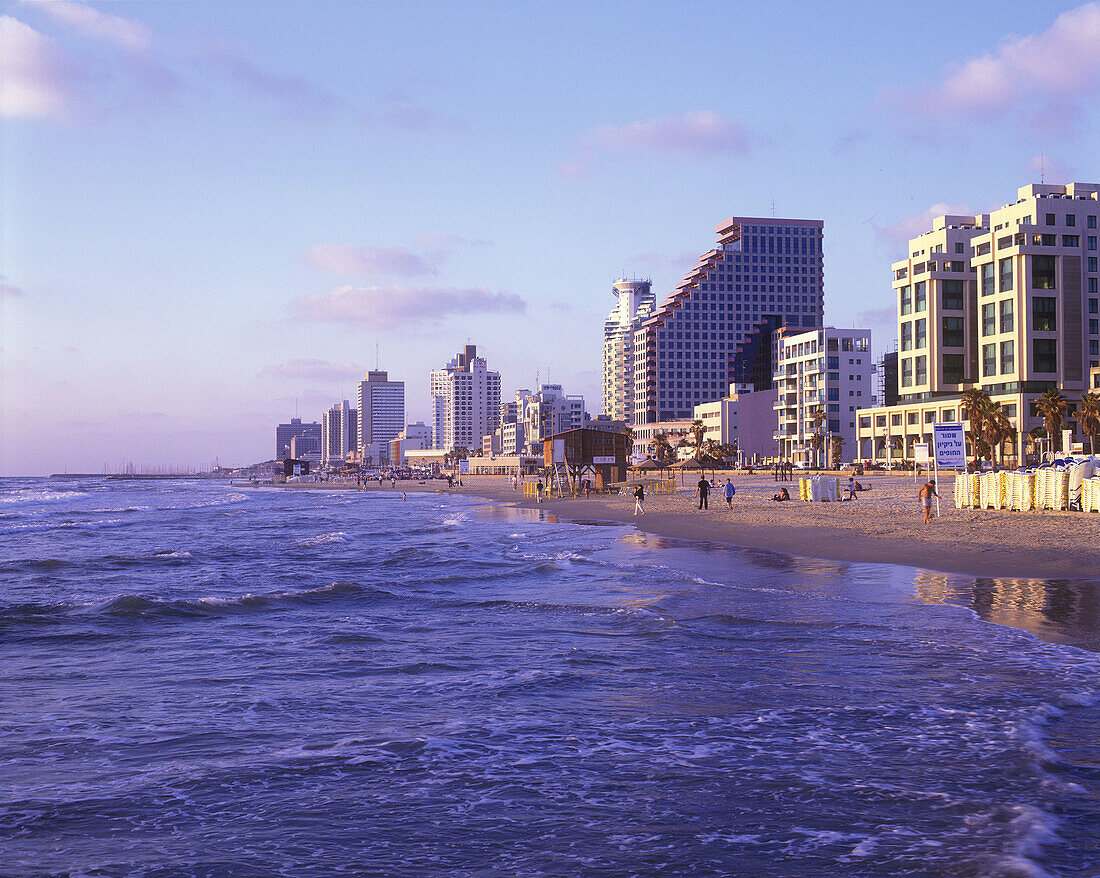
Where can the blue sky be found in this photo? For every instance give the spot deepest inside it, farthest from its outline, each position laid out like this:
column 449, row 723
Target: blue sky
column 214, row 212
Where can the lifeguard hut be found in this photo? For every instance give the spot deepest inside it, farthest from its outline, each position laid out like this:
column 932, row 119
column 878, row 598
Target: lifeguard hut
column 576, row 455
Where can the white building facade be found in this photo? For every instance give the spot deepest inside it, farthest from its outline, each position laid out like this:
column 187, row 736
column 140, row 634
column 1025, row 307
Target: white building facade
column 826, row 371
column 466, row 401
column 339, row 433
column 635, row 302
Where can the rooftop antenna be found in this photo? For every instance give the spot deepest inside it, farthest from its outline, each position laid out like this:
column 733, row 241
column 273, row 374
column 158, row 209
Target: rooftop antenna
column 773, row 208
column 376, row 356
column 1042, row 167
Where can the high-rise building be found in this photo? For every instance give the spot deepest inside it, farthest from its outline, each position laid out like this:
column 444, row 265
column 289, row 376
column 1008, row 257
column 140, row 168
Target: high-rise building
column 339, row 432
column 634, row 303
column 1006, row 302
column 466, row 397
column 381, row 414
column 716, row 327
column 826, row 371
column 284, row 433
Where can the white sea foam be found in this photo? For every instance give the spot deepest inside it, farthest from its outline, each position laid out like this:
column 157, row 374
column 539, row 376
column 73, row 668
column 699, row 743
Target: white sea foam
column 44, row 495
column 319, row 540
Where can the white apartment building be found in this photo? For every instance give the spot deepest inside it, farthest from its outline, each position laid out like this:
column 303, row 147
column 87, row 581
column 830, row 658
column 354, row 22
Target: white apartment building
column 635, row 302
column 828, row 371
column 339, row 433
column 415, row 437
column 381, row 414
column 466, row 401
column 550, row 411
column 720, row 417
column 1029, row 320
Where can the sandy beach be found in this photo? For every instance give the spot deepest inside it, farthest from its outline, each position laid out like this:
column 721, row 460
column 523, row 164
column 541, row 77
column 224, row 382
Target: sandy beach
column 884, row 525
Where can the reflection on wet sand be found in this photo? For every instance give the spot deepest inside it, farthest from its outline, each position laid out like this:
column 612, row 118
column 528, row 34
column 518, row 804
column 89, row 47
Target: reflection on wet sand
column 1058, row 610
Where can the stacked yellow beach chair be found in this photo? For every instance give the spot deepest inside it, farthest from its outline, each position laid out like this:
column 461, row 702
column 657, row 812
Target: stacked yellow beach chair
column 966, row 490
column 1020, row 491
column 991, row 490
column 1090, row 495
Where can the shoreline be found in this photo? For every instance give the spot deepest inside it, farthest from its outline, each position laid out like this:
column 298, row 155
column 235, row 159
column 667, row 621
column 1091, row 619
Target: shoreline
column 882, row 527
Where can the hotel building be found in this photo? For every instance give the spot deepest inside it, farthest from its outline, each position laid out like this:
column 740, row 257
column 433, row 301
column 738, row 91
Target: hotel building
column 1006, row 302
column 716, row 327
column 829, row 371
column 635, row 302
column 339, row 433
column 466, row 398
column 548, row 412
column 381, row 415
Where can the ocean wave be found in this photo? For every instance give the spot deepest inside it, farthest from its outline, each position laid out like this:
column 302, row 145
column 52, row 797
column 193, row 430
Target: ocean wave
column 39, row 495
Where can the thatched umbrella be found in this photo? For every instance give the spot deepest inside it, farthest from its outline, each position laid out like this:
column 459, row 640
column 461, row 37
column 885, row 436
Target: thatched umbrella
column 649, row 464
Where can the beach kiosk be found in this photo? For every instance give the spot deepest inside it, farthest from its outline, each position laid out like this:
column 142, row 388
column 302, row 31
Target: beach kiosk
column 576, row 455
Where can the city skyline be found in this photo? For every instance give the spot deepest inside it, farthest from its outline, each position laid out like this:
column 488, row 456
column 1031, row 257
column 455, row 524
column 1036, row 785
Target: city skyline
column 212, row 211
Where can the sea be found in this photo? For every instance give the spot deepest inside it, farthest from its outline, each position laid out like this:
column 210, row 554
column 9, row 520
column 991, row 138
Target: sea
column 198, row 679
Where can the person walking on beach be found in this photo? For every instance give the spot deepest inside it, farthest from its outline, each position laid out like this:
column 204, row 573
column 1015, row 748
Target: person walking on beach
column 515, row 483
column 730, row 491
column 539, row 488
column 925, row 495
column 639, row 497
column 587, row 488
column 703, row 491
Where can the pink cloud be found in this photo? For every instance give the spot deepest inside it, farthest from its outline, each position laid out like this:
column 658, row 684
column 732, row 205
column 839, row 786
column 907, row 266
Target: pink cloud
column 33, row 81
column 351, row 260
column 699, row 134
column 1061, row 63
column 8, row 291
column 899, row 233
column 396, row 306
column 313, row 370
column 297, row 96
column 702, row 133
column 91, row 22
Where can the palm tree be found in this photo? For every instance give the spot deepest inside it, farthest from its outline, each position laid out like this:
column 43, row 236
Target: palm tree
column 697, row 431
column 1052, row 405
column 837, row 449
column 662, row 449
column 817, row 440
column 975, row 403
column 1088, row 416
column 998, row 430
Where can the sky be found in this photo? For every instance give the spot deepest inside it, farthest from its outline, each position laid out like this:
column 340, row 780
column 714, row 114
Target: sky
column 216, row 215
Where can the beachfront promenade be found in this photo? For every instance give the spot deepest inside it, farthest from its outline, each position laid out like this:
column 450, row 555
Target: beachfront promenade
column 883, row 525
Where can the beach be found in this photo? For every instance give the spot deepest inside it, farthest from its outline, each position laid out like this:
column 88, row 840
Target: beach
column 884, row 525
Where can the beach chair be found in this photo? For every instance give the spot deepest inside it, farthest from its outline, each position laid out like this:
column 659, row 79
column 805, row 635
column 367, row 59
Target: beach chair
column 1081, row 470
column 1058, row 489
column 1090, row 495
column 1023, row 496
column 804, row 489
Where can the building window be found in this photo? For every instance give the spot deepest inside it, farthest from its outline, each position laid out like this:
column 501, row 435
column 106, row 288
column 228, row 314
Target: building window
column 907, row 372
column 1071, row 240
column 907, row 336
column 1094, row 306
column 1006, row 274
column 1071, row 219
column 953, row 332
column 920, row 298
column 922, row 333
column 952, row 295
column 922, row 370
column 1008, row 357
column 989, row 360
column 1044, row 354
column 1007, row 317
column 1042, row 272
column 954, row 368
column 1044, row 313
column 988, row 285
column 906, row 300
column 989, row 319
column 959, row 248
column 1092, row 242
column 1050, row 219
column 1094, row 326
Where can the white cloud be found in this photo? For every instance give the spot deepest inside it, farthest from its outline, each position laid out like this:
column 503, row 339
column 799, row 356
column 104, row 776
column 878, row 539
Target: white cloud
column 93, row 23
column 351, row 260
column 32, row 82
column 908, row 227
column 1061, row 63
column 314, row 370
column 390, row 307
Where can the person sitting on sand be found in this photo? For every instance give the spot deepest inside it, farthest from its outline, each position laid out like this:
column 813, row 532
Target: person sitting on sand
column 781, row 496
column 925, row 495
